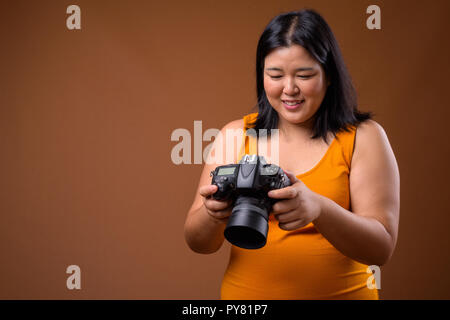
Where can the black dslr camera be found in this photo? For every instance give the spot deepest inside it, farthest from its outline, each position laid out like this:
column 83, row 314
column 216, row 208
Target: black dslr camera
column 248, row 183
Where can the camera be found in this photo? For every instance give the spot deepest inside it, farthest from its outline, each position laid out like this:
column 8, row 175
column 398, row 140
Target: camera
column 247, row 184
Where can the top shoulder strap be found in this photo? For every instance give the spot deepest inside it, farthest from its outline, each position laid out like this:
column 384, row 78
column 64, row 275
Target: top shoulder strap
column 250, row 142
column 347, row 142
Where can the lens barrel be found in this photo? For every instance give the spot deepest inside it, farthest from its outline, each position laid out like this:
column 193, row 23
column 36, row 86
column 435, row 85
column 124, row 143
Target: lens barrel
column 247, row 227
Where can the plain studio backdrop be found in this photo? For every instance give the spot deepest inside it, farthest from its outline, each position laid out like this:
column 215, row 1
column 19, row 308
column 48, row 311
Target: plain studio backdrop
column 86, row 118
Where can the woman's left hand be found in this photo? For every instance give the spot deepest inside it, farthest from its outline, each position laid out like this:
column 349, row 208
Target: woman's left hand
column 298, row 205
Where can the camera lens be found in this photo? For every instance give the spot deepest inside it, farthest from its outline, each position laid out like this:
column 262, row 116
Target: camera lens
column 247, row 226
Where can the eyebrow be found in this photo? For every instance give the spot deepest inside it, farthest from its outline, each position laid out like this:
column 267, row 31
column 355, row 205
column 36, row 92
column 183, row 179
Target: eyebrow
column 298, row 69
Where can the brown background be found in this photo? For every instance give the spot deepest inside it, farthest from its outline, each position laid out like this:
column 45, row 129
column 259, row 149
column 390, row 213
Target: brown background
column 86, row 118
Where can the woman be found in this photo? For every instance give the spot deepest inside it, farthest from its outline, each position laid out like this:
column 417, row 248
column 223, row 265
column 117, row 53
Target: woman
column 341, row 212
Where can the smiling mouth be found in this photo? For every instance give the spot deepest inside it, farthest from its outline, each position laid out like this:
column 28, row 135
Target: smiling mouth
column 293, row 105
column 292, row 102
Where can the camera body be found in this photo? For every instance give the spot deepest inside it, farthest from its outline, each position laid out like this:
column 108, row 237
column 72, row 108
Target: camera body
column 247, row 184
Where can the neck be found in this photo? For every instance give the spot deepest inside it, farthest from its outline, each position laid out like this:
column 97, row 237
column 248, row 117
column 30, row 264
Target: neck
column 292, row 131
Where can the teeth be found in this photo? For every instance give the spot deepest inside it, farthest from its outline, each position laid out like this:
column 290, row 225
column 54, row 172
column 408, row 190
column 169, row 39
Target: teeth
column 292, row 103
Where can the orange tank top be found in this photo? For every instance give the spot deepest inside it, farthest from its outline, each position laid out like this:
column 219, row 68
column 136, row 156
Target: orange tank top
column 301, row 264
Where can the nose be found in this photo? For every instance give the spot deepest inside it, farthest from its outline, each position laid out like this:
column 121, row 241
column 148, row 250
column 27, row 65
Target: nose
column 290, row 88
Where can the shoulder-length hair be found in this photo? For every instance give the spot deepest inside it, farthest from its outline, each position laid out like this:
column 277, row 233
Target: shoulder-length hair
column 308, row 29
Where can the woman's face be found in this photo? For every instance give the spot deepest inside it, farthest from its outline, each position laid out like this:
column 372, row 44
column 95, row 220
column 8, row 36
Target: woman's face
column 292, row 74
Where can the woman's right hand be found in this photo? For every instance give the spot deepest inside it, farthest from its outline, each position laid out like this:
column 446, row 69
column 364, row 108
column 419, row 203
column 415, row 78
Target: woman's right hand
column 218, row 209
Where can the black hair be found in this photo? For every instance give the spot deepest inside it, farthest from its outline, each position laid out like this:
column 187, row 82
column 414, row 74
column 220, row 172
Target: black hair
column 308, row 29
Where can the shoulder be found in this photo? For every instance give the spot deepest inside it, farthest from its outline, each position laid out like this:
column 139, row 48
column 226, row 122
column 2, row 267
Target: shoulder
column 246, row 122
column 230, row 131
column 359, row 136
column 227, row 143
column 371, row 144
column 233, row 128
column 235, row 124
column 370, row 135
column 370, row 129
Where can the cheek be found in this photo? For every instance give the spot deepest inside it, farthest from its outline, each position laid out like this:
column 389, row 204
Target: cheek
column 272, row 88
column 312, row 87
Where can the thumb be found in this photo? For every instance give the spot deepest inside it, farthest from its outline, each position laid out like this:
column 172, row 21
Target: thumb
column 207, row 190
column 291, row 177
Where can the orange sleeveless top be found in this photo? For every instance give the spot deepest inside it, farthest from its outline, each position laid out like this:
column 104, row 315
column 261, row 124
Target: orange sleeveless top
column 301, row 264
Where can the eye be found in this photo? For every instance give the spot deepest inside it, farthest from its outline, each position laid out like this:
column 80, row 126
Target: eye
column 303, row 77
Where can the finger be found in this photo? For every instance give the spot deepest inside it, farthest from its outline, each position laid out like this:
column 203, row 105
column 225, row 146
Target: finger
column 284, row 193
column 287, row 217
column 291, row 177
column 219, row 214
column 292, row 225
column 207, row 190
column 215, row 205
column 283, row 206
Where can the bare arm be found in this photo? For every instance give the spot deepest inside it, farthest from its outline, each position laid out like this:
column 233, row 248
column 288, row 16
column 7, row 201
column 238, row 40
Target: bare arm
column 203, row 232
column 207, row 218
column 368, row 234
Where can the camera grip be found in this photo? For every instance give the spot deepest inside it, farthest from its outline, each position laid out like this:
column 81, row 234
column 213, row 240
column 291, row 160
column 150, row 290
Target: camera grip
column 221, row 193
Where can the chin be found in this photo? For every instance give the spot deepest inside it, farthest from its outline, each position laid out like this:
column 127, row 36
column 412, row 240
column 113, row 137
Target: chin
column 293, row 117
